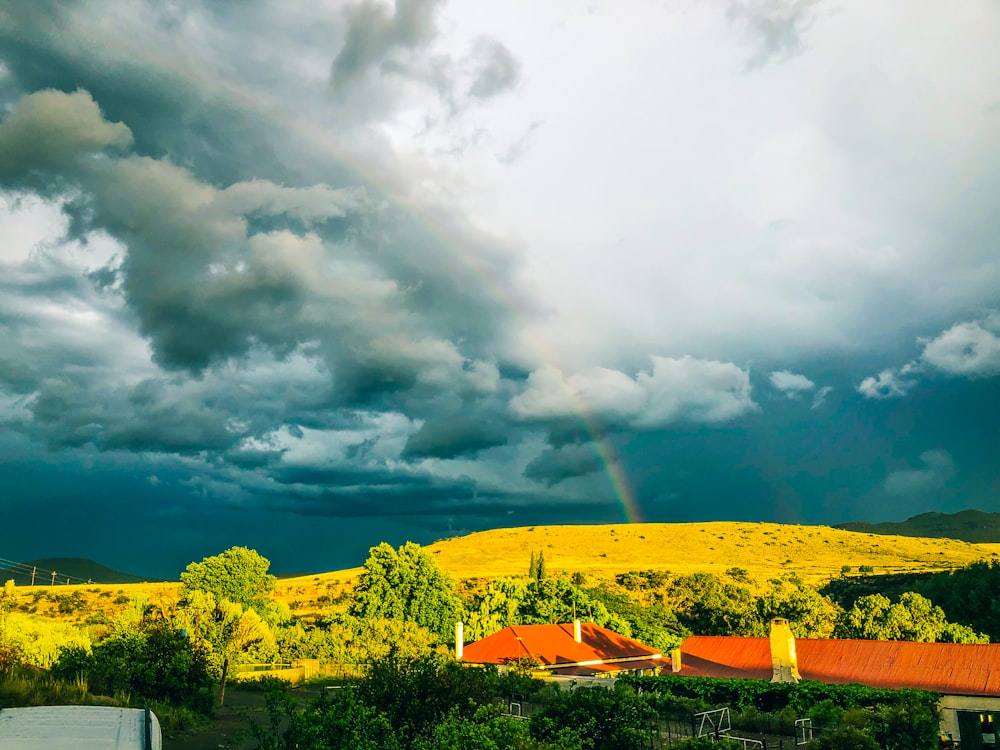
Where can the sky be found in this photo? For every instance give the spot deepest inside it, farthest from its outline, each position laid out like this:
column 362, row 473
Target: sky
column 307, row 276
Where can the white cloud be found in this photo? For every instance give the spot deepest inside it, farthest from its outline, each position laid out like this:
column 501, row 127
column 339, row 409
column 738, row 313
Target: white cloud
column 887, row 384
column 820, row 398
column 938, row 469
column 676, row 389
column 969, row 349
column 791, row 383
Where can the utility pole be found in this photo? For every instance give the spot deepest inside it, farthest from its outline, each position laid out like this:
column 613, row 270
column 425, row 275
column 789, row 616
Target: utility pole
column 53, row 578
column 33, row 571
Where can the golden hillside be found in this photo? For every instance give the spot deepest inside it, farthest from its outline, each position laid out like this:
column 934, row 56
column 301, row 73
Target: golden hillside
column 765, row 550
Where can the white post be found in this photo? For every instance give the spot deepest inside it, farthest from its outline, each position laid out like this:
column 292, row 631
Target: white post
column 577, row 634
column 459, row 639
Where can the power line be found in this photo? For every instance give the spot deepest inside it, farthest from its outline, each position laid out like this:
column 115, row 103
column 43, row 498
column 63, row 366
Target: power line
column 28, row 569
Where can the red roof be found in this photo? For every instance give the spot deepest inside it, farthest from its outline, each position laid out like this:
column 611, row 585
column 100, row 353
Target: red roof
column 949, row 668
column 554, row 644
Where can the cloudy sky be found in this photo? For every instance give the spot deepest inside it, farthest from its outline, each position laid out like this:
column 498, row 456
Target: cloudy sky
column 307, row 276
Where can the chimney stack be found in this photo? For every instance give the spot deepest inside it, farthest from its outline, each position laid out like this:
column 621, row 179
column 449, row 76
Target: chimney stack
column 459, row 640
column 675, row 660
column 577, row 634
column 784, row 662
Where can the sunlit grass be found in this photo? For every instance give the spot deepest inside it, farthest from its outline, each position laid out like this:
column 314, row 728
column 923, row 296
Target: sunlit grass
column 764, row 550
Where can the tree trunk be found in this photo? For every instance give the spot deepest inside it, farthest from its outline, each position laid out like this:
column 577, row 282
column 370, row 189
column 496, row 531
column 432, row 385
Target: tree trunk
column 222, row 680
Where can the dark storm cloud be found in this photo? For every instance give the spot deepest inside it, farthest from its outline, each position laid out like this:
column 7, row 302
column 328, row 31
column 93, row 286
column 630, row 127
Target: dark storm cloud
column 555, row 465
column 456, row 435
column 278, row 289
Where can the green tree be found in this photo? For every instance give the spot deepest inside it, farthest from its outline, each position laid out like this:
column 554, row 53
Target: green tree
column 495, row 608
column 541, row 567
column 970, row 596
column 912, row 618
column 150, row 662
column 237, row 575
column 406, row 584
column 609, row 719
column 228, row 629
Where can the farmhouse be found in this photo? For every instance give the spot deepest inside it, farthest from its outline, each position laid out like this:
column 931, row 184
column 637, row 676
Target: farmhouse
column 966, row 675
column 568, row 649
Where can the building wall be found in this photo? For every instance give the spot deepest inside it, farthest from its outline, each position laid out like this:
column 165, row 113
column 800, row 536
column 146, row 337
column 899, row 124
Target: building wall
column 951, row 704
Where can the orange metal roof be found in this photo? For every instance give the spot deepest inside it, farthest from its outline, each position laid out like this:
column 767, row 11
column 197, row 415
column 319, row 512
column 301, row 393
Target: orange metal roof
column 554, row 644
column 950, row 668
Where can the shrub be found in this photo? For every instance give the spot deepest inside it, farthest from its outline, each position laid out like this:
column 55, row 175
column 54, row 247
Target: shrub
column 844, row 738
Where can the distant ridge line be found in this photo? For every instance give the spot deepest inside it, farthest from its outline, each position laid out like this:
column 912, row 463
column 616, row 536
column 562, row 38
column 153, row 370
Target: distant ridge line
column 975, row 526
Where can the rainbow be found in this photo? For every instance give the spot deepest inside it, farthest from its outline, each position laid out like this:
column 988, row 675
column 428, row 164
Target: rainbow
column 621, row 489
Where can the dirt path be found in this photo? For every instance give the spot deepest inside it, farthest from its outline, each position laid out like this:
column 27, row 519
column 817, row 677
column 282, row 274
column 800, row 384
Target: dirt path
column 229, row 729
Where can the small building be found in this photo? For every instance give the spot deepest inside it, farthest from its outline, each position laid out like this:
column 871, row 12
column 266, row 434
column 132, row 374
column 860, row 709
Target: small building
column 966, row 675
column 577, row 649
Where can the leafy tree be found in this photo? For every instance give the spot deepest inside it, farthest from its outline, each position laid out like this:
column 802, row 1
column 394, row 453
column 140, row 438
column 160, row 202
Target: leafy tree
column 541, row 573
column 153, row 662
column 707, row 606
column 228, row 629
column 610, row 719
column 495, row 608
column 237, row 575
column 533, row 567
column 970, row 596
column 912, row 618
column 368, row 640
column 811, row 614
column 406, row 584
column 342, row 721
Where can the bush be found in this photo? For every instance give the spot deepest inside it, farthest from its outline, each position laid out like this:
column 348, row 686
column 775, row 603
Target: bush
column 152, row 664
column 843, row 738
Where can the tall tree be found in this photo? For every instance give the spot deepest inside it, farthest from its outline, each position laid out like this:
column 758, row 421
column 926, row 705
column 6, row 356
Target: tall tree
column 406, row 584
column 228, row 628
column 237, row 575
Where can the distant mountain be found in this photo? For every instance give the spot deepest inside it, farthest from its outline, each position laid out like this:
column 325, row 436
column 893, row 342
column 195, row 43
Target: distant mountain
column 78, row 570
column 968, row 525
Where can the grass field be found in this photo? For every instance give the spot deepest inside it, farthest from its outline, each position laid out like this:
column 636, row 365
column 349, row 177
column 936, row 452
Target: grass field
column 764, row 550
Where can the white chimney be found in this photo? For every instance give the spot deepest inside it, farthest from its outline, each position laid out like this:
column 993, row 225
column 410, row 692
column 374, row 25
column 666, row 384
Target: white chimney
column 577, row 634
column 784, row 662
column 459, row 639
column 675, row 660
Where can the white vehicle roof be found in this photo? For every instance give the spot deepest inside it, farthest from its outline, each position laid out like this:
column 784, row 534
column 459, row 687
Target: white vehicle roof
column 79, row 728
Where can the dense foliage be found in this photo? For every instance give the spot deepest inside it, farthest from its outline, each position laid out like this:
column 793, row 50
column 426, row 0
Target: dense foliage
column 895, row 719
column 970, row 596
column 237, row 575
column 151, row 663
column 406, row 584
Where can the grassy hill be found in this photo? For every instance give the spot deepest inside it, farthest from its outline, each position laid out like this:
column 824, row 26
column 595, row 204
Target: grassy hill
column 764, row 550
column 77, row 569
column 968, row 525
